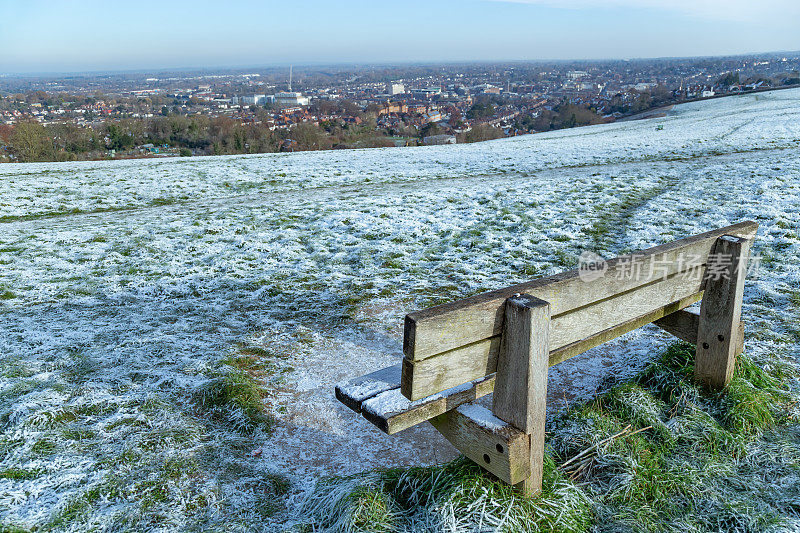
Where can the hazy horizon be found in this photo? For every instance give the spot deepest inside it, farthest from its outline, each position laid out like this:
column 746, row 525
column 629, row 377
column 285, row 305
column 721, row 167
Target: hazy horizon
column 364, row 64
column 46, row 37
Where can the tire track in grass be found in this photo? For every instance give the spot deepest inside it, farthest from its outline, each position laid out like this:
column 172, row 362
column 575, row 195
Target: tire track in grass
column 611, row 222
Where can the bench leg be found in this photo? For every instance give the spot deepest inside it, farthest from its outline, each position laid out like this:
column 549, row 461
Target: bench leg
column 718, row 332
column 520, row 390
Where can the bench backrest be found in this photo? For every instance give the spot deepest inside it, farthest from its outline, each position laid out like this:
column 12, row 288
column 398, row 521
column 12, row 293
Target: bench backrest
column 451, row 344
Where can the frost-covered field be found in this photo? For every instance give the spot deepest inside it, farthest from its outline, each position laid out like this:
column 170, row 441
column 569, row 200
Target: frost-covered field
column 125, row 285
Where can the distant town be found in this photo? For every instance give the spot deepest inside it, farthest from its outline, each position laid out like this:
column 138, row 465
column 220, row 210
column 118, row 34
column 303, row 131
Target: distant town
column 132, row 114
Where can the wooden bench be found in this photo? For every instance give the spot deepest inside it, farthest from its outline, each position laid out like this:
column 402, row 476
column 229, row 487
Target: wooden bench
column 503, row 342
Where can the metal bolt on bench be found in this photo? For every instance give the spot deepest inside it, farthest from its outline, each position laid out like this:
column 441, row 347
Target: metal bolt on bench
column 505, row 340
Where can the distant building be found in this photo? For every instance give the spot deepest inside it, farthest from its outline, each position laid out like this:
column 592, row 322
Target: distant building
column 395, row 88
column 256, row 99
column 291, row 99
column 394, row 108
column 707, row 93
column 433, row 115
column 576, row 74
column 439, row 139
column 427, row 92
column 485, row 88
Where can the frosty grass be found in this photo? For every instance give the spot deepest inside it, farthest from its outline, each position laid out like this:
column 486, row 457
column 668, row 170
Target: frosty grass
column 126, row 285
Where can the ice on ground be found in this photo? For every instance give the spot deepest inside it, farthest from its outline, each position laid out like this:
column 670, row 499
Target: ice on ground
column 126, row 284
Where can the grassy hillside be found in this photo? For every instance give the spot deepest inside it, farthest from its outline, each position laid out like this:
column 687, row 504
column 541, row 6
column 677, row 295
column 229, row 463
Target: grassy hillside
column 171, row 331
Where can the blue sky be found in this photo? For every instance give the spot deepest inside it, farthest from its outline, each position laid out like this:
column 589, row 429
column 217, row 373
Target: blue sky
column 80, row 35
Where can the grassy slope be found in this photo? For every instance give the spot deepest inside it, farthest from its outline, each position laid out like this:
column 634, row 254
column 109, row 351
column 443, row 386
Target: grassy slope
column 231, row 397
column 725, row 461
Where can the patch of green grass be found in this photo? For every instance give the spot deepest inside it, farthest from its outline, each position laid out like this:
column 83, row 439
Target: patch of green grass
column 10, row 528
column 162, row 201
column 63, row 212
column 78, row 506
column 268, row 491
column 127, row 457
column 437, row 498
column 78, row 433
column 235, row 394
column 44, row 447
column 794, row 299
column 14, row 368
column 81, row 366
column 21, row 473
column 126, row 422
column 6, row 293
column 371, row 510
column 254, row 351
column 697, row 442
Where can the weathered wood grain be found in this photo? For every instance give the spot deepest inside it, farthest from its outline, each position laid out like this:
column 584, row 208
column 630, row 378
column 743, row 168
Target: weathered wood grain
column 478, row 360
column 520, row 394
column 720, row 313
column 432, row 331
column 392, row 412
column 578, row 347
column 495, row 445
column 684, row 324
column 604, row 314
column 740, row 338
column 570, row 334
column 353, row 392
column 521, row 380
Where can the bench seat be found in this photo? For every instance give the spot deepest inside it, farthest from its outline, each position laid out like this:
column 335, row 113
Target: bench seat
column 378, row 398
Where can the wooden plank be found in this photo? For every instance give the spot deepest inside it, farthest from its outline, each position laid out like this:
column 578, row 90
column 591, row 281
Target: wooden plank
column 604, row 314
column 354, row 392
column 570, row 334
column 720, row 312
column 432, row 331
column 392, row 412
column 495, row 445
column 562, row 354
column 478, row 360
column 523, row 362
column 684, row 324
column 520, row 394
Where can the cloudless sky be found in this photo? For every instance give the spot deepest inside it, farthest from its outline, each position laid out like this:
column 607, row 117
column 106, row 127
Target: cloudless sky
column 81, row 35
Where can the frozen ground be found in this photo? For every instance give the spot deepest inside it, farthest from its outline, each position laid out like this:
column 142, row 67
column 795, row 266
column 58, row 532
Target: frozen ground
column 125, row 284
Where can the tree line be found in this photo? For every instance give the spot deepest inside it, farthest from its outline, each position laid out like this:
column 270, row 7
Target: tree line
column 30, row 141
